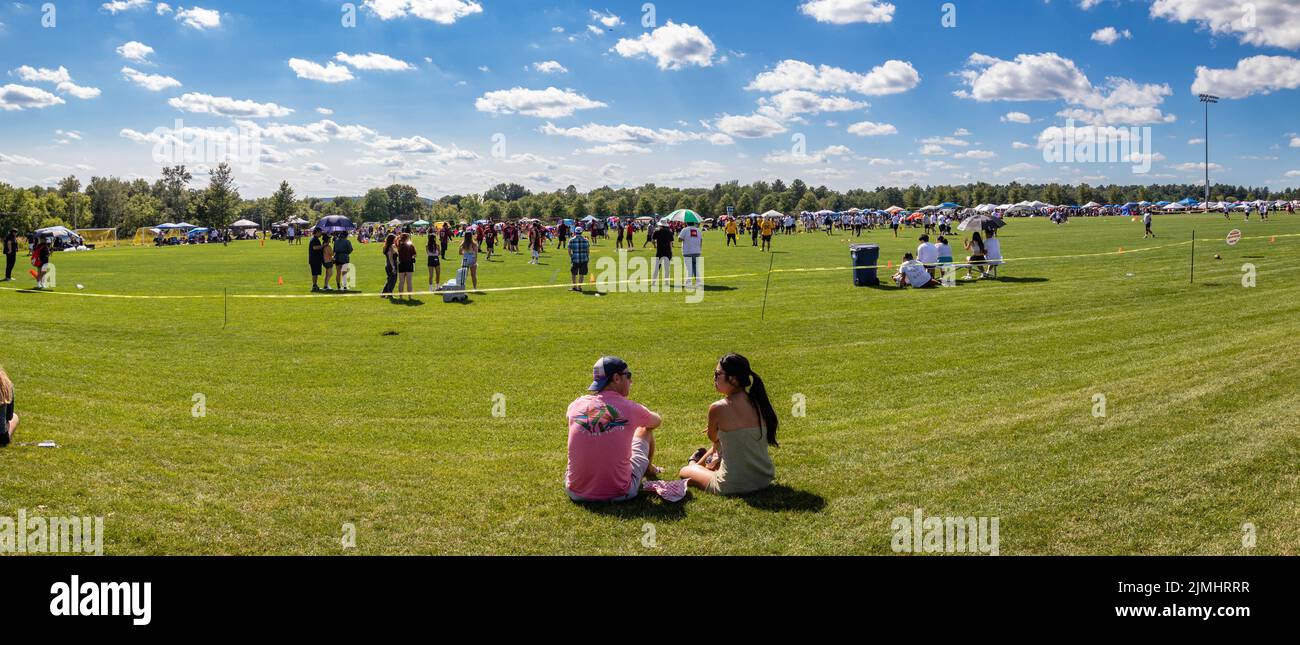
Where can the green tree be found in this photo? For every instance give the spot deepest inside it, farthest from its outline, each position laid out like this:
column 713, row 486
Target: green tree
column 173, row 190
column 644, row 207
column 403, row 202
column 745, row 205
column 704, row 206
column 221, row 199
column 108, row 197
column 282, row 202
column 808, row 203
column 579, row 209
column 375, row 208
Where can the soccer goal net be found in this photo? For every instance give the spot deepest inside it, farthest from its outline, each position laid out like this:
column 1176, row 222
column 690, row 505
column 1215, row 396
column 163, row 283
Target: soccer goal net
column 99, row 237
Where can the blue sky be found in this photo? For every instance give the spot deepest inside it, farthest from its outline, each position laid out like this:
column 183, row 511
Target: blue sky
column 453, row 96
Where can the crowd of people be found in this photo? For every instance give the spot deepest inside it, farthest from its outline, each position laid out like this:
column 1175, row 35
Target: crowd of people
column 330, row 253
column 611, row 447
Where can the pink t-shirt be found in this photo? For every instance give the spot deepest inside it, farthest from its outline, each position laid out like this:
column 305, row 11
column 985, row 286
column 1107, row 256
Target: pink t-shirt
column 601, row 428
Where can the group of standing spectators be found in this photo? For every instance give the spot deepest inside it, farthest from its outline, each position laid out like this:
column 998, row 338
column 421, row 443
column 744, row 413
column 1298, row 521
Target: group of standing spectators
column 331, row 255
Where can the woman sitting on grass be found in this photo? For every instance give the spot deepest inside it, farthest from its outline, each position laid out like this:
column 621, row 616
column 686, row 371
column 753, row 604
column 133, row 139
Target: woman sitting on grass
column 741, row 426
column 8, row 420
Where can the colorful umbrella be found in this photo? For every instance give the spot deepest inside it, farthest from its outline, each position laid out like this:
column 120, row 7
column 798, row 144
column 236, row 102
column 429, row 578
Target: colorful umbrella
column 685, row 216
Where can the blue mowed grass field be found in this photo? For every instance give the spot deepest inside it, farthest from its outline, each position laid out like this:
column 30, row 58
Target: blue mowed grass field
column 973, row 401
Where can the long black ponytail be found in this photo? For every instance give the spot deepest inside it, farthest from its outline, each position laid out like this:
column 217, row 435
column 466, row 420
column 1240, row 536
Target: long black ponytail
column 737, row 367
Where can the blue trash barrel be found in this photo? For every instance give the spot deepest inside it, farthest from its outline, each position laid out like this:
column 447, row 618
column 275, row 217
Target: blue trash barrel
column 865, row 258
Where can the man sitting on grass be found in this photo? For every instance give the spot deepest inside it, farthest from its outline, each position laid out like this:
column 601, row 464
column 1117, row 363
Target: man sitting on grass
column 914, row 273
column 611, row 439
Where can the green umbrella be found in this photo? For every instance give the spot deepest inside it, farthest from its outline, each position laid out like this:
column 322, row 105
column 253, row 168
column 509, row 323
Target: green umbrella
column 685, row 216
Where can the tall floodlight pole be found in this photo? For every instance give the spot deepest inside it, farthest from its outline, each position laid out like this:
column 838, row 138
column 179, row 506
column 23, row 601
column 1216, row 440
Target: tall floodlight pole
column 1207, row 99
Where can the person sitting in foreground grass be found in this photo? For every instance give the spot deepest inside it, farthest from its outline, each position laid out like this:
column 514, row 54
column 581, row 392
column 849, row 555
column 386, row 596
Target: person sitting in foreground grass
column 611, row 438
column 915, row 274
column 8, row 420
column 741, row 426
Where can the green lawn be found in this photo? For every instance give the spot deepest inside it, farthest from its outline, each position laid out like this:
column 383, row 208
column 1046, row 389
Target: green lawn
column 973, row 401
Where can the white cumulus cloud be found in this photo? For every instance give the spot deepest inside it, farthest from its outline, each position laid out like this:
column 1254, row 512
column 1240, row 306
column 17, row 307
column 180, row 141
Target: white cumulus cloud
column 1108, row 35
column 135, row 51
column 226, row 106
column 151, row 82
column 199, row 18
column 374, row 62
column 1263, row 23
column 550, row 103
column 21, row 97
column 673, row 46
column 1254, row 75
column 871, row 129
column 891, row 77
column 328, row 73
column 844, row 12
column 443, row 12
column 550, row 67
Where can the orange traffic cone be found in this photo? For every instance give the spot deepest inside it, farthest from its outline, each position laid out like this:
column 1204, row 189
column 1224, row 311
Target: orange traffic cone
column 35, row 275
column 1121, row 249
column 1272, row 239
column 281, row 281
column 890, row 265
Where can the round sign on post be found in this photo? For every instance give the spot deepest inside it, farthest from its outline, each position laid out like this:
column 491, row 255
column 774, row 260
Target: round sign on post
column 1234, row 237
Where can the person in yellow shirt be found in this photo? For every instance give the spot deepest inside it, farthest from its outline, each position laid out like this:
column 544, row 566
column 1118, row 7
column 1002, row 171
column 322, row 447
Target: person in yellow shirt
column 732, row 229
column 766, row 227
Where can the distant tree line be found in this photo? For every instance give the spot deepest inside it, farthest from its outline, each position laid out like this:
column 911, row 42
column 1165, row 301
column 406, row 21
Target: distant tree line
column 111, row 202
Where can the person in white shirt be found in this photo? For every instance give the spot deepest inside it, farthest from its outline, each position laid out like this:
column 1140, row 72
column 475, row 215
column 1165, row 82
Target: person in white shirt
column 927, row 254
column 914, row 274
column 692, row 249
column 993, row 247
